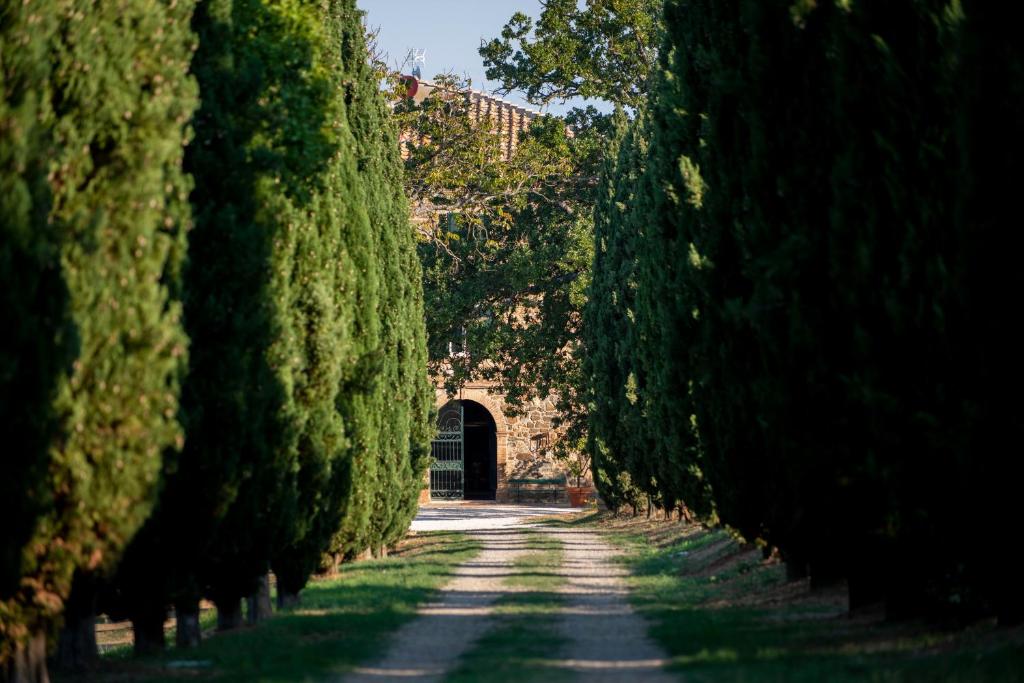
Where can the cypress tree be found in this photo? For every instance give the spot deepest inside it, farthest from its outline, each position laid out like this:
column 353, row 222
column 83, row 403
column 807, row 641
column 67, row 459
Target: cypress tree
column 325, row 474
column 670, row 268
column 236, row 302
column 601, row 322
column 617, row 433
column 401, row 390
column 357, row 402
column 271, row 290
column 884, row 325
column 838, row 283
column 989, row 129
column 109, row 130
column 36, row 352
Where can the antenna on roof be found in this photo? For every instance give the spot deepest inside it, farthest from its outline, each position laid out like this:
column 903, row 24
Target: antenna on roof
column 419, row 57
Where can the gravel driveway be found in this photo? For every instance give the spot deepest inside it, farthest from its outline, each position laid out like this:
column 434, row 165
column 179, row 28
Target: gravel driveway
column 607, row 640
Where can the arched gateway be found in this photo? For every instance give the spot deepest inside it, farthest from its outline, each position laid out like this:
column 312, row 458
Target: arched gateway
column 465, row 453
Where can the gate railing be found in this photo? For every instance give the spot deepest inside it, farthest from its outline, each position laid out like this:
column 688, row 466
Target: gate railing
column 447, row 480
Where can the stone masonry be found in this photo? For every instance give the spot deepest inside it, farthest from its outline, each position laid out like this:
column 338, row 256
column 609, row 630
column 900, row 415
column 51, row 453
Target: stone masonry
column 524, row 441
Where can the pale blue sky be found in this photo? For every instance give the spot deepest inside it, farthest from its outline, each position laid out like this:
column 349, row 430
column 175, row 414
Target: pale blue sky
column 449, row 30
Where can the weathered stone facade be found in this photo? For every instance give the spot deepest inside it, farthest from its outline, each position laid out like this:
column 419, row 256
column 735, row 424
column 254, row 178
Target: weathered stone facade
column 524, row 441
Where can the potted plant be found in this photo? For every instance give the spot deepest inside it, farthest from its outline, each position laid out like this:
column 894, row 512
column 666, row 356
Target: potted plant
column 577, row 462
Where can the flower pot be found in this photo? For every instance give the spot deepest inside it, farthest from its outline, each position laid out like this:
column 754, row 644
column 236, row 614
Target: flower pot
column 579, row 495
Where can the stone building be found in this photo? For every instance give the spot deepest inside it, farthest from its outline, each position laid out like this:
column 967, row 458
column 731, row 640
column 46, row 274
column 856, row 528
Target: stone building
column 481, row 444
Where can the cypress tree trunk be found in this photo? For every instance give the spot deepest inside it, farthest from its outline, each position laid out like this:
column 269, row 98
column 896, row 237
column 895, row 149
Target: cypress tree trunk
column 229, row 614
column 28, row 664
column 867, row 574
column 826, row 575
column 188, row 633
column 290, row 582
column 286, row 598
column 258, row 605
column 796, row 568
column 148, row 627
column 76, row 646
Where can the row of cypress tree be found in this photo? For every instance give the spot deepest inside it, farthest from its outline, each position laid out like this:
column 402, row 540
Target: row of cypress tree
column 215, row 362
column 799, row 322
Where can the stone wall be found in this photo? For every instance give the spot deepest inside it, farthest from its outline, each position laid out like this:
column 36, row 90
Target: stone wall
column 530, row 439
column 524, row 441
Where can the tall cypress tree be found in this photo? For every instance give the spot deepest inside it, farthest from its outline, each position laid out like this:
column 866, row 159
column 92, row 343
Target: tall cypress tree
column 271, row 291
column 670, row 267
column 987, row 342
column 357, row 401
column 839, row 408
column 326, row 449
column 402, row 386
column 111, row 111
column 615, row 423
column 39, row 349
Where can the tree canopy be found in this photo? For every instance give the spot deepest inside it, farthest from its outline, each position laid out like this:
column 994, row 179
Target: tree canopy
column 805, row 257
column 604, row 49
column 93, row 241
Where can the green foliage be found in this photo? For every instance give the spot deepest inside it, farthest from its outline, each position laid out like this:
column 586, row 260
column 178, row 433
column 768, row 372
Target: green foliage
column 337, row 292
column 609, row 317
column 261, row 68
column 505, row 246
column 604, row 50
column 306, row 395
column 810, row 291
column 403, row 394
column 390, row 390
column 94, row 216
column 35, row 353
column 271, row 296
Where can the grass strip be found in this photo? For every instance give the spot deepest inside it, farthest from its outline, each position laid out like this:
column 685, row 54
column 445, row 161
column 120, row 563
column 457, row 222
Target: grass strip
column 341, row 622
column 725, row 615
column 526, row 638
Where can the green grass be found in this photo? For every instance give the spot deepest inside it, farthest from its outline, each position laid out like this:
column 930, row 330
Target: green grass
column 341, row 622
column 700, row 611
column 521, row 647
column 125, row 651
column 538, row 569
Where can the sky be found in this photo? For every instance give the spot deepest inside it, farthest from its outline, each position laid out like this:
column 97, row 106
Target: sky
column 450, row 31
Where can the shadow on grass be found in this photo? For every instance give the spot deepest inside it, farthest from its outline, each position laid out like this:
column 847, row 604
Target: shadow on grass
column 526, row 639
column 522, row 648
column 341, row 621
column 725, row 615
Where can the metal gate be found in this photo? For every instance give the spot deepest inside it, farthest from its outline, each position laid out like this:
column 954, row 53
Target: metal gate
column 446, row 469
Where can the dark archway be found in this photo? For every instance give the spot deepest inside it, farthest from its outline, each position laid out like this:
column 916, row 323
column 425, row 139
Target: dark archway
column 480, row 436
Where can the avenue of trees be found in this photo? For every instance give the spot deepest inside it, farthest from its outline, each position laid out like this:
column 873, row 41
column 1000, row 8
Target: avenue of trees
column 215, row 358
column 800, row 318
column 797, row 316
column 772, row 290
